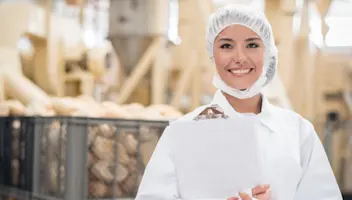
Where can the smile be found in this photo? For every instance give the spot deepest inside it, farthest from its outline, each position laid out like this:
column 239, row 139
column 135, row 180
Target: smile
column 239, row 72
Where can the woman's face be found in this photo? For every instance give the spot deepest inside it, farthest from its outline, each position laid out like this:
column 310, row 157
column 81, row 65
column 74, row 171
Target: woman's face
column 238, row 56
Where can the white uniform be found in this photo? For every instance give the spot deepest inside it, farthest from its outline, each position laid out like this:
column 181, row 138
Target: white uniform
column 295, row 162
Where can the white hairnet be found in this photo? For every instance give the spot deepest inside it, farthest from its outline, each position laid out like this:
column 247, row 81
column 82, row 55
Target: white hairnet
column 243, row 15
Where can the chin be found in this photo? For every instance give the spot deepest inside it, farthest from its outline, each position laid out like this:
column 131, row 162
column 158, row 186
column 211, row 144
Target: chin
column 240, row 86
column 239, row 83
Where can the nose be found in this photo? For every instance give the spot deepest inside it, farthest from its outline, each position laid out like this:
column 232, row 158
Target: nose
column 239, row 56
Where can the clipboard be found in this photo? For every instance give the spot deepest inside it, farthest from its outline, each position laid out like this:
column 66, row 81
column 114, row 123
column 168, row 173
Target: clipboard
column 216, row 157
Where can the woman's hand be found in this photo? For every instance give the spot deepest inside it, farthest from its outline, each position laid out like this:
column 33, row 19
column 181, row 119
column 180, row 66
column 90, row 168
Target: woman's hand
column 261, row 192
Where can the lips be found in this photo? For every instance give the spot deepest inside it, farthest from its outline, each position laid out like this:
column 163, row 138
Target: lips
column 240, row 72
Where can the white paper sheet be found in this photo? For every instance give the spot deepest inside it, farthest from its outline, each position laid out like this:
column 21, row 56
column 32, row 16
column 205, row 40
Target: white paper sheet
column 216, row 158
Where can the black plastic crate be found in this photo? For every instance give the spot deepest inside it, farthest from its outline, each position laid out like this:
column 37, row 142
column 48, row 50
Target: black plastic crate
column 2, row 152
column 77, row 158
column 16, row 152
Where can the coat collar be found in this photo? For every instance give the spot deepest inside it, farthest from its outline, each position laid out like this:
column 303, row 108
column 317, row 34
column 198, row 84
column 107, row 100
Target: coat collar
column 267, row 115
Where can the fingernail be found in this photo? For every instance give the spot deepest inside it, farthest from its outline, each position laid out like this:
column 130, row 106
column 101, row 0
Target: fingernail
column 242, row 194
column 266, row 186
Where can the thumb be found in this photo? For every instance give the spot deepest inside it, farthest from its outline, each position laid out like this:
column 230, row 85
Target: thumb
column 245, row 196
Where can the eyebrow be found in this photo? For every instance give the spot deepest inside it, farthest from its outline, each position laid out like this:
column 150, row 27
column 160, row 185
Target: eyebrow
column 247, row 40
column 252, row 39
column 226, row 39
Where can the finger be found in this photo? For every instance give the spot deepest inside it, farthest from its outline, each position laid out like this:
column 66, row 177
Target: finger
column 264, row 196
column 233, row 198
column 245, row 196
column 260, row 189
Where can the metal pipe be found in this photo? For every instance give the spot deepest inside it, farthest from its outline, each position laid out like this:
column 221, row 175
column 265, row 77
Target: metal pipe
column 76, row 185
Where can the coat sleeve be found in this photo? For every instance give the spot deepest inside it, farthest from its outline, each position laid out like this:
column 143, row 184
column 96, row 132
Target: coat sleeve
column 159, row 180
column 318, row 180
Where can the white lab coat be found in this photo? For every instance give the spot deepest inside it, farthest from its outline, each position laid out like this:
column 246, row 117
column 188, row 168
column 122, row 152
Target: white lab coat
column 294, row 160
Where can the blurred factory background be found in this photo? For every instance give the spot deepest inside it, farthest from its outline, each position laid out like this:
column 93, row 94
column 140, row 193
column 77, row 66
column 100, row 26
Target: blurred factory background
column 114, row 71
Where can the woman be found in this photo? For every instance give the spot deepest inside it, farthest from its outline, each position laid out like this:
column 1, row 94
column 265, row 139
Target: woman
column 241, row 44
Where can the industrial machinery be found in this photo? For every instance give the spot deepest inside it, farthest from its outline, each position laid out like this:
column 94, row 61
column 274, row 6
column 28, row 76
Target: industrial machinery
column 139, row 32
column 58, row 62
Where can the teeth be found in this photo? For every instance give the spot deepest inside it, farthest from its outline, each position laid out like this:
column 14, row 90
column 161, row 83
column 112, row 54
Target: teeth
column 240, row 71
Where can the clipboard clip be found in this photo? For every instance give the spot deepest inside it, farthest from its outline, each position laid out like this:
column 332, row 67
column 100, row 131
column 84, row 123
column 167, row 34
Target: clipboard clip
column 213, row 111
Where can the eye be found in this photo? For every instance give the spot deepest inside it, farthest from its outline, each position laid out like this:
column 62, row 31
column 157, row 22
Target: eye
column 226, row 46
column 252, row 45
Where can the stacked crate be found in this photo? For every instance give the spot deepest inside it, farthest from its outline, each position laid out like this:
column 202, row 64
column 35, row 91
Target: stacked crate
column 77, row 157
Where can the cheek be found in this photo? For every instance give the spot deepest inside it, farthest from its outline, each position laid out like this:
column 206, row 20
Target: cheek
column 221, row 60
column 220, row 63
column 258, row 61
column 259, row 66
